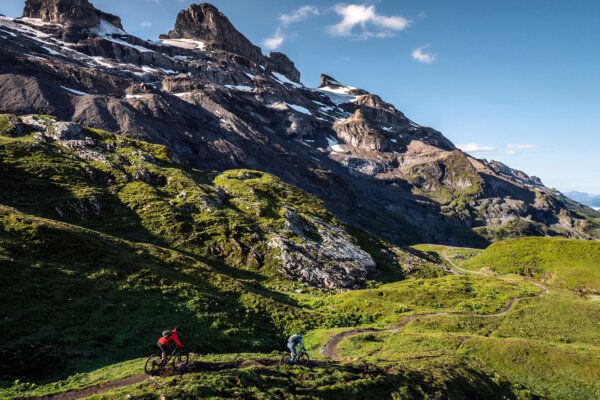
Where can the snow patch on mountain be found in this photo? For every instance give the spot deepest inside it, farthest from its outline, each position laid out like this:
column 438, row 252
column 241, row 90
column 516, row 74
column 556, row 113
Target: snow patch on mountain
column 77, row 92
column 299, row 108
column 106, row 28
column 335, row 146
column 338, row 95
column 283, row 79
column 243, row 88
column 184, row 43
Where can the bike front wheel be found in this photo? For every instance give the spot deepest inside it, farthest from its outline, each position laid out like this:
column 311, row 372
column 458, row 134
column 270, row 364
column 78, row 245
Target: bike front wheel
column 303, row 360
column 180, row 361
column 153, row 364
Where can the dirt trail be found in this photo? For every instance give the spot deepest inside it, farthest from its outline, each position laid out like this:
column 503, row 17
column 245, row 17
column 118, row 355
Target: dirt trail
column 131, row 380
column 330, row 349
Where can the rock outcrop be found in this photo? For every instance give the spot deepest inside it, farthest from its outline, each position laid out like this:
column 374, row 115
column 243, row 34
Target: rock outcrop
column 205, row 23
column 72, row 13
column 280, row 62
column 334, row 261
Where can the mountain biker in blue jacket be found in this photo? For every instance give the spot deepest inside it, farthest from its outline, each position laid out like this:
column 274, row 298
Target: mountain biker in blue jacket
column 293, row 341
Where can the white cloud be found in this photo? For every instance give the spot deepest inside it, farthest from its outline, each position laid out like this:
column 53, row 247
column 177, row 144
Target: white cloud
column 298, row 15
column 275, row 41
column 426, row 58
column 146, row 23
column 475, row 148
column 509, row 152
column 367, row 18
column 520, row 146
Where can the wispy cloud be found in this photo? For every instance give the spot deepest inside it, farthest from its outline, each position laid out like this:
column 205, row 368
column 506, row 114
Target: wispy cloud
column 475, row 148
column 420, row 56
column 300, row 14
column 373, row 25
column 146, row 23
column 478, row 148
column 275, row 41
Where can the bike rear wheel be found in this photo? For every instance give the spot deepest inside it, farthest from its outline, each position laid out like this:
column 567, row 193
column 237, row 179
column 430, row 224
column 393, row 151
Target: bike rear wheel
column 303, row 360
column 285, row 359
column 180, row 361
column 153, row 364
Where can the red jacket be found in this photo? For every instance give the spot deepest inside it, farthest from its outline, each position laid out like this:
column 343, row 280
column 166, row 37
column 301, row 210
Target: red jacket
column 173, row 336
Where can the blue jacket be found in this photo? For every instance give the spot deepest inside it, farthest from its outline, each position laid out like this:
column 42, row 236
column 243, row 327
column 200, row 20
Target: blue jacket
column 296, row 340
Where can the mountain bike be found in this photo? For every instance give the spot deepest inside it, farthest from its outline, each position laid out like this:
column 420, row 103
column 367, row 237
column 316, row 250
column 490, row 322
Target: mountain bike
column 154, row 363
column 302, row 358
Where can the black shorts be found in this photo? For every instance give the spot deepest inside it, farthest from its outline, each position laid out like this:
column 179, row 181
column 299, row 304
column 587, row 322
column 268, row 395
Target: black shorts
column 163, row 347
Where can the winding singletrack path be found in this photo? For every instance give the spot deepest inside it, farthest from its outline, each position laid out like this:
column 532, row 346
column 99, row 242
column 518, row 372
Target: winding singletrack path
column 330, row 349
column 132, row 380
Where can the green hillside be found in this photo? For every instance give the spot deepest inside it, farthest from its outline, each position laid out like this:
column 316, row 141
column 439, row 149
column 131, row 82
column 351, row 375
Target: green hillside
column 570, row 263
column 106, row 241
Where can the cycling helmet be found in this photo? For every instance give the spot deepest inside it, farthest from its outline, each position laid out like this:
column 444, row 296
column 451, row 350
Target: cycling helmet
column 300, row 335
column 177, row 328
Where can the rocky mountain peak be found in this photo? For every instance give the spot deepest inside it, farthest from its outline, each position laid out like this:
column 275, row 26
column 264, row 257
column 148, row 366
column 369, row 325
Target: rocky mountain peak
column 205, row 23
column 280, row 62
column 72, row 13
column 330, row 83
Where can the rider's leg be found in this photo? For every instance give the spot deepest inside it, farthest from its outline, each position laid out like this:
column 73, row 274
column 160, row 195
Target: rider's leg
column 292, row 347
column 163, row 351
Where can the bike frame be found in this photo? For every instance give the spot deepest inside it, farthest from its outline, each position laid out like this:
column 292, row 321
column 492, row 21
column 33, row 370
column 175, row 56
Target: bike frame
column 295, row 359
column 168, row 356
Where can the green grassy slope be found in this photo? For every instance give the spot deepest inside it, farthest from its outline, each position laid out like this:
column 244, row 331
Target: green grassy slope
column 143, row 193
column 574, row 264
column 103, row 247
column 77, row 299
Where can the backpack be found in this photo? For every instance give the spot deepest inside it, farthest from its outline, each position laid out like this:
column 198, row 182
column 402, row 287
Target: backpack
column 166, row 334
column 293, row 338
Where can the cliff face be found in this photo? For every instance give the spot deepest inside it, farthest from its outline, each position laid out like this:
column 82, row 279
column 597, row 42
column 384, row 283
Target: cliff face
column 75, row 13
column 205, row 23
column 210, row 95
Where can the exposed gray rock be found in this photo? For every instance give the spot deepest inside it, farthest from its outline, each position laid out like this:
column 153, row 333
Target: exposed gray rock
column 15, row 127
column 205, row 23
column 73, row 13
column 333, row 262
column 281, row 63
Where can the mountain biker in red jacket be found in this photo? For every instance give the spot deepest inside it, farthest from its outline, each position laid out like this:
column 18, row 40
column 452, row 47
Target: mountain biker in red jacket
column 163, row 341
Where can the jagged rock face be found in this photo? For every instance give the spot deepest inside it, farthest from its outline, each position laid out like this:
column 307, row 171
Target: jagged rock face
column 283, row 64
column 328, row 81
column 73, row 13
column 205, row 23
column 333, row 262
column 357, row 132
column 228, row 106
column 516, row 174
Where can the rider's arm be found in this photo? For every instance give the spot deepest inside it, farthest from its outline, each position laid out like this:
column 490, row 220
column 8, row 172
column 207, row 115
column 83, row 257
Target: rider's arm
column 301, row 344
column 176, row 340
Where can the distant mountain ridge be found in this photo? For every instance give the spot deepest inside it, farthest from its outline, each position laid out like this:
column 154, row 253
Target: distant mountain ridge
column 211, row 96
column 592, row 200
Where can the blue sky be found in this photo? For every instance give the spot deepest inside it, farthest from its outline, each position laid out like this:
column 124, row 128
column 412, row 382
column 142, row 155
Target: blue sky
column 519, row 78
